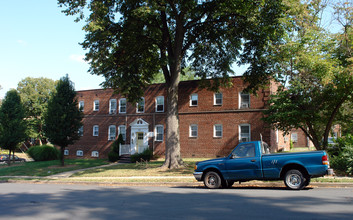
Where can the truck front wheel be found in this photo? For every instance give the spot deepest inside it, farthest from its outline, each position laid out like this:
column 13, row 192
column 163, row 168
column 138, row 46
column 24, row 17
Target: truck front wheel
column 294, row 179
column 212, row 180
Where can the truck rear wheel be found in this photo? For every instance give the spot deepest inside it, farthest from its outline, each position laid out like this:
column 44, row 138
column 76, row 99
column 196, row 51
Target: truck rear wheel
column 212, row 180
column 294, row 179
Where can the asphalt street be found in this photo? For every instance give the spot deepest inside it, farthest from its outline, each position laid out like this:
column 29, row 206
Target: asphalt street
column 60, row 201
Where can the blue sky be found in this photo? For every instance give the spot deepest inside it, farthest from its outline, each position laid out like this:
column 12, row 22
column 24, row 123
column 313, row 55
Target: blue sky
column 37, row 40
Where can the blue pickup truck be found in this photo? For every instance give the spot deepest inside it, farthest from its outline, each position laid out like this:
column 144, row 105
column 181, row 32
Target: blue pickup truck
column 253, row 161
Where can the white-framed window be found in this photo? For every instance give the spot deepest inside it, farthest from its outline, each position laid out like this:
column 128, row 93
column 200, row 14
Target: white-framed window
column 112, row 132
column 80, row 131
column 140, row 108
column 294, row 137
column 160, row 104
column 96, row 105
column 194, row 98
column 218, row 99
column 122, row 131
column 66, row 152
column 217, row 131
column 193, row 130
column 244, row 133
column 244, row 100
column 122, row 105
column 95, row 154
column 95, row 130
column 159, row 132
column 112, row 106
column 79, row 153
column 81, row 106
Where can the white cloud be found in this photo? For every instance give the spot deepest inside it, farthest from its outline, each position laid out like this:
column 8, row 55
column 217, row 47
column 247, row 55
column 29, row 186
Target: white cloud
column 77, row 58
column 22, row 42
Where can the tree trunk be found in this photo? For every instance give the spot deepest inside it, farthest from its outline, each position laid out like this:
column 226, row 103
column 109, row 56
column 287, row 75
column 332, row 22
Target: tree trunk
column 172, row 151
column 9, row 158
column 62, row 149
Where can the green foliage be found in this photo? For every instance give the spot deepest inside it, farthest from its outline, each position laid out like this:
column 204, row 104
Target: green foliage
column 113, row 155
column 63, row 118
column 317, row 83
column 35, row 94
column 146, row 155
column 154, row 36
column 341, row 155
column 43, row 153
column 12, row 124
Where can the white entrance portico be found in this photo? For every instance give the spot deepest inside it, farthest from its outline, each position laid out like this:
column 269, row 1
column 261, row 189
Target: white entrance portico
column 139, row 136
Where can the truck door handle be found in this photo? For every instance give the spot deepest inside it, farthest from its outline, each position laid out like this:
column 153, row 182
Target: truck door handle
column 253, row 160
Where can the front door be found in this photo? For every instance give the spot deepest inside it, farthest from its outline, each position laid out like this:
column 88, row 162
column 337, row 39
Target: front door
column 139, row 142
column 244, row 164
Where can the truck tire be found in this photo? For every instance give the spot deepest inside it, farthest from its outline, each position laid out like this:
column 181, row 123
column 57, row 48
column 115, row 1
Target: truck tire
column 226, row 184
column 212, row 180
column 294, row 179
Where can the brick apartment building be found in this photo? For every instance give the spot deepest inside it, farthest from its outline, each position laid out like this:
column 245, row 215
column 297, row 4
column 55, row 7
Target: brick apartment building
column 211, row 124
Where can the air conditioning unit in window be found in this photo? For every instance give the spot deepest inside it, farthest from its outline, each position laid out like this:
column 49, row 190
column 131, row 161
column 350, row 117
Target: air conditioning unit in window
column 112, row 111
column 244, row 105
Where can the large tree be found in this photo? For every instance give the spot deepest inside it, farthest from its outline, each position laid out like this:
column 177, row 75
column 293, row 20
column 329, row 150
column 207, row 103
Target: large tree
column 12, row 122
column 318, row 73
column 129, row 41
column 35, row 93
column 63, row 118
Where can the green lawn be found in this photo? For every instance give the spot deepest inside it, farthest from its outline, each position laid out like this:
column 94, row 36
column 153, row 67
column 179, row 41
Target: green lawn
column 47, row 168
column 152, row 168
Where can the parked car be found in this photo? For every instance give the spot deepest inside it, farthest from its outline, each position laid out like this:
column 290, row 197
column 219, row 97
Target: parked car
column 253, row 161
column 4, row 158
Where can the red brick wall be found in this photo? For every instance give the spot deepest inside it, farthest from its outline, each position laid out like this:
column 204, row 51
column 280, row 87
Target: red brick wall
column 205, row 115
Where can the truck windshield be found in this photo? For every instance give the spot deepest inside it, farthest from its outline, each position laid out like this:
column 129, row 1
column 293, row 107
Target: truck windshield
column 244, row 150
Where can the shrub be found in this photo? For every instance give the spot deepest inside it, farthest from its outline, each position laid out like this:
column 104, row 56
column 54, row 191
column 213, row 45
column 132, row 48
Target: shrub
column 113, row 155
column 341, row 155
column 43, row 153
column 146, row 155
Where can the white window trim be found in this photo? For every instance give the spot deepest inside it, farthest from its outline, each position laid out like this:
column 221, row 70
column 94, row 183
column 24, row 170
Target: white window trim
column 95, row 135
column 95, row 154
column 294, row 137
column 122, row 99
column 157, row 103
column 109, row 135
column 144, row 106
column 214, row 99
column 81, row 106
column 94, row 105
column 240, row 100
column 112, row 111
column 79, row 153
column 155, row 130
column 214, row 131
column 80, row 131
column 120, row 129
column 197, row 99
column 66, row 152
column 239, row 129
column 190, row 130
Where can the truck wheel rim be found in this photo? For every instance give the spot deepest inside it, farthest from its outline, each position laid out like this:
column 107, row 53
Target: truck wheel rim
column 293, row 180
column 212, row 180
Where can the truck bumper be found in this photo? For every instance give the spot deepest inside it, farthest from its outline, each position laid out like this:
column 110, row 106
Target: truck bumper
column 198, row 175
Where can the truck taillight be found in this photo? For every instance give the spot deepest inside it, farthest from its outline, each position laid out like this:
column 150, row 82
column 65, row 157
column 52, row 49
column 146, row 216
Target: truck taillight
column 325, row 160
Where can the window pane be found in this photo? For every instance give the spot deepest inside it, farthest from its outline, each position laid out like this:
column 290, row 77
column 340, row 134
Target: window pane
column 193, row 131
column 218, row 98
column 218, row 130
column 159, row 133
column 141, row 105
column 194, row 100
column 244, row 100
column 122, row 106
column 245, row 150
